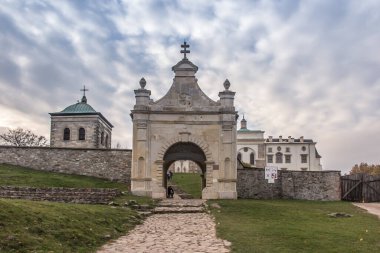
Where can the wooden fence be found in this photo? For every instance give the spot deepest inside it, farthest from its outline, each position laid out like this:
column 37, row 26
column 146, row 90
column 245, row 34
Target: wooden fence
column 361, row 188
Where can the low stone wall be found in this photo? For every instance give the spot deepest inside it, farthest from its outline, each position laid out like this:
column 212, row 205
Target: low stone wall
column 112, row 164
column 72, row 195
column 307, row 185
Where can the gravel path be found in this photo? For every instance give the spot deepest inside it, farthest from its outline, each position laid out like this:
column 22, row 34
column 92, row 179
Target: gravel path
column 373, row 208
column 171, row 232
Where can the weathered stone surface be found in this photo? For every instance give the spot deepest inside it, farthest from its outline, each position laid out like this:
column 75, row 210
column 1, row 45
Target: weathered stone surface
column 164, row 130
column 112, row 164
column 58, row 194
column 173, row 232
column 308, row 185
column 162, row 209
column 93, row 124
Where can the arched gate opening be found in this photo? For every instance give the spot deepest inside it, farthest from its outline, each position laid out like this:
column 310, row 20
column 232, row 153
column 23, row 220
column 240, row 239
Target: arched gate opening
column 184, row 151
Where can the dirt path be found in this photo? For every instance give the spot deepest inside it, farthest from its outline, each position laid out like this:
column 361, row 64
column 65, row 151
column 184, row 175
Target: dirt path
column 373, row 208
column 172, row 232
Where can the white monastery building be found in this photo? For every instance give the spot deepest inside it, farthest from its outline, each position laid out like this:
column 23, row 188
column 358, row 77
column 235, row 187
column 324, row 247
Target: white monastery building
column 284, row 153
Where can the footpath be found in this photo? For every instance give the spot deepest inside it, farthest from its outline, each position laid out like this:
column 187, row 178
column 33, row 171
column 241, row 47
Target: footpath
column 373, row 208
column 177, row 225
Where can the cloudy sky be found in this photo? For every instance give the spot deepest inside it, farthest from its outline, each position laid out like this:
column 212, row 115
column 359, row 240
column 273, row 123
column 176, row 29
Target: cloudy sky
column 299, row 68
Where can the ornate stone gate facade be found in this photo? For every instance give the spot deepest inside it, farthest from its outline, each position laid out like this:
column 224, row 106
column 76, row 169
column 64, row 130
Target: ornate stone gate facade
column 184, row 125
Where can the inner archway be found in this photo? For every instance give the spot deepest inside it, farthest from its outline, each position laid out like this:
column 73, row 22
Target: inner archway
column 184, row 151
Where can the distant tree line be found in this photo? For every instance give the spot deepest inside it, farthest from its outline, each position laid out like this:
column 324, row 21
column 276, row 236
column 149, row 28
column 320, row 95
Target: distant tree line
column 20, row 138
column 372, row 169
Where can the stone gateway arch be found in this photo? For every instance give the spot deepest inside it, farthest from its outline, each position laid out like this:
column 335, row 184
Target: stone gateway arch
column 184, row 125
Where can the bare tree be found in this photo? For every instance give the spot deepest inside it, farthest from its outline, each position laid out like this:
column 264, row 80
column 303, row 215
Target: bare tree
column 20, row 137
column 118, row 146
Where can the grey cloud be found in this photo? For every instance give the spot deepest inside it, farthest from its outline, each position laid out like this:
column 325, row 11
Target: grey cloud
column 299, row 67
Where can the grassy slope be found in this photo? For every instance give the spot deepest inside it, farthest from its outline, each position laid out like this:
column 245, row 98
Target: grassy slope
column 189, row 182
column 296, row 226
column 34, row 226
column 19, row 176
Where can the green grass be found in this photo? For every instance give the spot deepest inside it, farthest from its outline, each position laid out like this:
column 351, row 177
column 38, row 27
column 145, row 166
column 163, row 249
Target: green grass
column 19, row 176
column 36, row 226
column 295, row 226
column 191, row 183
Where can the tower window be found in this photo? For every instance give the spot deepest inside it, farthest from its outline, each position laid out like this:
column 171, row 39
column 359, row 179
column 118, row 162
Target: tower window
column 106, row 140
column 270, row 150
column 279, row 157
column 270, row 158
column 82, row 134
column 252, row 158
column 102, row 138
column 288, row 159
column 303, row 158
column 66, row 134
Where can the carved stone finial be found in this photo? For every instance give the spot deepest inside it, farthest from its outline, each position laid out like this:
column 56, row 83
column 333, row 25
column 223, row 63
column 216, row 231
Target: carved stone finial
column 142, row 83
column 226, row 84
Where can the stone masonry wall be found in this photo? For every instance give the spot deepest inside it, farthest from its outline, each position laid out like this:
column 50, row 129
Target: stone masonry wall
column 72, row 195
column 112, row 164
column 306, row 185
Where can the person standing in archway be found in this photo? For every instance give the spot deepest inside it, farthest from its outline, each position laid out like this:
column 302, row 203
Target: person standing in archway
column 170, row 192
column 171, row 174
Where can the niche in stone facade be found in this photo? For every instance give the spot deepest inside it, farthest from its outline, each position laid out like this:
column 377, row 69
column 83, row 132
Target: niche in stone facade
column 140, row 167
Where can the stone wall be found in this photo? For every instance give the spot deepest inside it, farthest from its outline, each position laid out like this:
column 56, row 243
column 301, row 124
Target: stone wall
column 112, row 164
column 72, row 195
column 307, row 185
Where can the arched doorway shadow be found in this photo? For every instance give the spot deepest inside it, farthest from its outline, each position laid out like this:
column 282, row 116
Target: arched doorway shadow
column 184, row 151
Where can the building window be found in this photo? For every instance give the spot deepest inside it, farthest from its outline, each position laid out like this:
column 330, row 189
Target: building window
column 66, row 134
column 278, row 148
column 82, row 134
column 303, row 158
column 270, row 158
column 270, row 150
column 279, row 157
column 102, row 138
column 287, row 149
column 239, row 156
column 252, row 158
column 106, row 140
column 303, row 148
column 288, row 159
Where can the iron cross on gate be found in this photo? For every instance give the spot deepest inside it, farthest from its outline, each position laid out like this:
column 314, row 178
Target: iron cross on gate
column 185, row 51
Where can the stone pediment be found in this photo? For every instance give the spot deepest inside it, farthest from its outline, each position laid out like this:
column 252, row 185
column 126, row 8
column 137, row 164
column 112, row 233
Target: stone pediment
column 185, row 93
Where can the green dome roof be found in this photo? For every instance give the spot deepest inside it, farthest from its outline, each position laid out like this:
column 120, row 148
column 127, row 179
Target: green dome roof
column 244, row 130
column 79, row 108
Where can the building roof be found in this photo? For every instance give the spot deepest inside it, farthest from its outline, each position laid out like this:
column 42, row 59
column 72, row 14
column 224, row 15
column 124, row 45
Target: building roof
column 80, row 108
column 245, row 130
column 317, row 155
column 285, row 140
